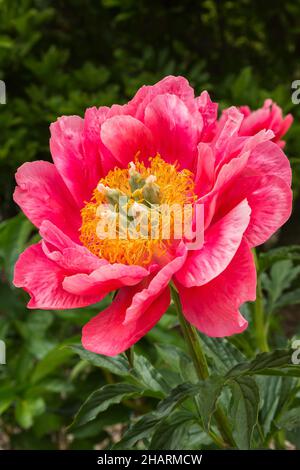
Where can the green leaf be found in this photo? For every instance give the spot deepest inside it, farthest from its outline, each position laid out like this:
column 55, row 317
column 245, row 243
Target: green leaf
column 113, row 415
column 5, row 403
column 103, row 398
column 288, row 371
column 52, row 361
column 282, row 274
column 52, row 385
column 221, row 353
column 206, row 392
column 143, row 372
column 209, row 392
column 149, row 377
column 171, row 355
column 177, row 360
column 176, row 396
column 245, row 398
column 141, row 429
column 289, row 420
column 290, row 298
column 7, row 396
column 38, row 323
column 270, row 388
column 275, row 393
column 14, row 234
column 145, row 426
column 24, row 414
column 282, row 253
column 277, row 362
column 171, row 433
column 47, row 423
column 117, row 365
column 6, row 42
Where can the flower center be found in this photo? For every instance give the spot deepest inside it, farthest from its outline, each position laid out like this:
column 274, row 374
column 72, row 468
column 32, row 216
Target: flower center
column 130, row 205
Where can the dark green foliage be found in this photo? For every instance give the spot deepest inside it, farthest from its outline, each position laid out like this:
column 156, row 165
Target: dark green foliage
column 60, row 57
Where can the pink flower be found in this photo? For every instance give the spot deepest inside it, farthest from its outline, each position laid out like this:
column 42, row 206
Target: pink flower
column 242, row 182
column 267, row 117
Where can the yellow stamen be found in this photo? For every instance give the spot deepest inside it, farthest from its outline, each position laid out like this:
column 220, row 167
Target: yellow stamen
column 173, row 186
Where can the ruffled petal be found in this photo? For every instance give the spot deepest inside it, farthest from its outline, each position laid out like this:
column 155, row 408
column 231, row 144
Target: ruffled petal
column 255, row 121
column 75, row 156
column 105, row 279
column 205, row 169
column 271, row 206
column 228, row 129
column 42, row 195
column 125, row 137
column 268, row 117
column 42, row 279
column 178, row 86
column 107, row 334
column 268, row 159
column 93, row 120
column 242, row 144
column 270, row 199
column 285, row 125
column 143, row 299
column 209, row 113
column 175, row 130
column 58, row 247
column 213, row 308
column 228, row 176
column 221, row 242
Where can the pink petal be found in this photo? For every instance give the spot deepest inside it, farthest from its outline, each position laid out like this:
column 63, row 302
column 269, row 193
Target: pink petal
column 42, row 195
column 42, row 279
column 229, row 174
column 107, row 334
column 229, row 126
column 79, row 167
column 245, row 110
column 271, row 204
column 250, row 143
column 267, row 117
column 256, row 121
column 239, row 145
column 221, row 242
column 209, row 113
column 125, row 137
column 174, row 129
column 205, row 169
column 104, row 279
column 270, row 199
column 213, row 308
column 275, row 119
column 93, row 119
column 58, row 247
column 143, row 299
column 285, row 125
column 268, row 159
column 178, row 86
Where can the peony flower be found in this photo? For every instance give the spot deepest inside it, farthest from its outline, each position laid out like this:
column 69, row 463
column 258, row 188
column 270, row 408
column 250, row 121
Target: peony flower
column 267, row 117
column 161, row 146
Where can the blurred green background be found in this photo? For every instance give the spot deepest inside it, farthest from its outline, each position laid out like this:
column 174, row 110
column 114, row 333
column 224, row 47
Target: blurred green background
column 60, row 57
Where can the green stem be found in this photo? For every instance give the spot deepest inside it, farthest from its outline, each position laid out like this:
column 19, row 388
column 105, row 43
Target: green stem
column 280, row 439
column 130, row 356
column 259, row 314
column 194, row 345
